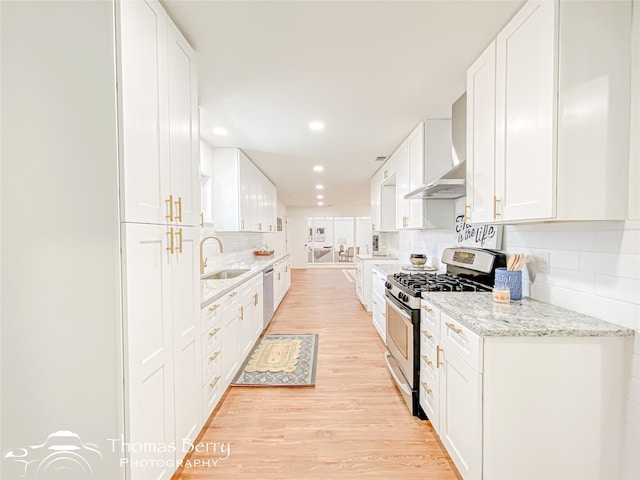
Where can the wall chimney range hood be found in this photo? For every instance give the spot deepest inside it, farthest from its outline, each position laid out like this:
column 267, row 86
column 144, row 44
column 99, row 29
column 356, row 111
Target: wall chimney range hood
column 452, row 183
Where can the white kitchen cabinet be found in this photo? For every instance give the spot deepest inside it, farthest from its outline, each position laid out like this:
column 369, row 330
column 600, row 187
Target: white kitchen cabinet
column 243, row 198
column 230, row 324
column 425, row 154
column 212, row 390
column 251, row 315
column 159, row 118
column 383, row 200
column 364, row 277
column 378, row 305
column 555, row 158
column 281, row 280
column 512, row 407
column 376, row 192
column 163, row 371
column 481, row 111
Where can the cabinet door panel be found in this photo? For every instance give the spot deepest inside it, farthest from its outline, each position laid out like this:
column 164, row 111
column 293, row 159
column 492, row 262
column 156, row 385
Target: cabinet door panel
column 481, row 97
column 460, row 426
column 144, row 112
column 186, row 334
column 525, row 114
column 184, row 151
column 149, row 376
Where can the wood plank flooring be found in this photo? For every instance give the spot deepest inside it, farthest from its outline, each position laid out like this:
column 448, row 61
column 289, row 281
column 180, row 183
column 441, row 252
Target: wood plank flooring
column 352, row 424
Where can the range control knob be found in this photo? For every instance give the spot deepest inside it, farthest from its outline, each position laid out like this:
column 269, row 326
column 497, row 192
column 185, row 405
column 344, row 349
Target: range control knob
column 387, row 285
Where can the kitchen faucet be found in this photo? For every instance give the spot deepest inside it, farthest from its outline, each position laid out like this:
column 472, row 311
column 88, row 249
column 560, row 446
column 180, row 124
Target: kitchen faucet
column 203, row 261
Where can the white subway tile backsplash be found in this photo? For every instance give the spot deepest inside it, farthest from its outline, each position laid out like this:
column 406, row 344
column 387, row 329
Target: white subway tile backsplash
column 633, row 392
column 623, row 313
column 569, row 240
column 569, row 279
column 619, row 242
column 625, row 289
column 632, row 414
column 564, row 259
column 556, row 295
column 514, row 237
column 613, row 264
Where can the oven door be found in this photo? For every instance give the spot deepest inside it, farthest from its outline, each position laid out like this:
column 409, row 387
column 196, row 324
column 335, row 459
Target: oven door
column 400, row 341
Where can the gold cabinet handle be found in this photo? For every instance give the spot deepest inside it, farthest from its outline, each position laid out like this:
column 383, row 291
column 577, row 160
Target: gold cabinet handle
column 233, row 294
column 214, row 307
column 259, row 226
column 467, row 207
column 427, row 309
column 171, row 247
column 453, row 327
column 169, row 202
column 496, row 213
column 278, row 275
column 178, row 216
column 426, row 388
column 213, row 332
column 426, row 360
column 215, row 380
column 179, row 235
column 214, row 356
column 438, row 362
column 255, row 299
column 201, row 219
column 427, row 334
column 386, row 174
column 241, row 312
column 241, row 224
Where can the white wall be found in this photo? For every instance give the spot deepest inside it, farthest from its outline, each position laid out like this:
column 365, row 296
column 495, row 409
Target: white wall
column 61, row 314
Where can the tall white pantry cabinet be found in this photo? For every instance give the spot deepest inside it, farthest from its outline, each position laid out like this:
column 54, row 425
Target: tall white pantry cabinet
column 100, row 287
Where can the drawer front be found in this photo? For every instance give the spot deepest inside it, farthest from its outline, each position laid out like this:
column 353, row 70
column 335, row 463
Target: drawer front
column 210, row 315
column 466, row 344
column 428, row 335
column 430, row 403
column 230, row 300
column 377, row 302
column 211, row 364
column 430, row 317
column 428, row 364
column 211, row 394
column 251, row 286
column 211, row 340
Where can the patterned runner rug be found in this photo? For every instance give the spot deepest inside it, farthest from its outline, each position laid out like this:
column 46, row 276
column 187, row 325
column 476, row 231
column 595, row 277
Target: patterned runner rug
column 281, row 361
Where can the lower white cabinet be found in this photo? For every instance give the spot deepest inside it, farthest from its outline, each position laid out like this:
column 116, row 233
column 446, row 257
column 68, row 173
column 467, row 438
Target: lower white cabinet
column 364, row 277
column 379, row 308
column 229, row 338
column 523, row 406
column 281, row 280
column 163, row 372
column 251, row 314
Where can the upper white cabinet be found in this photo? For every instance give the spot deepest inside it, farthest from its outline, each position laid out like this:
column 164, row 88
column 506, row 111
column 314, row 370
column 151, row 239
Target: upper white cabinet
column 424, row 155
column 481, row 111
column 159, row 118
column 557, row 144
column 383, row 200
column 243, row 198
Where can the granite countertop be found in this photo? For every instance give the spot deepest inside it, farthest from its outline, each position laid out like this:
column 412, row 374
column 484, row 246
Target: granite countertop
column 367, row 256
column 388, row 268
column 211, row 290
column 525, row 318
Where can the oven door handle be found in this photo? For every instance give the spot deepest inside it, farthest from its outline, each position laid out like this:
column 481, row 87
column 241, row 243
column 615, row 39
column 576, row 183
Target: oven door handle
column 401, row 385
column 405, row 316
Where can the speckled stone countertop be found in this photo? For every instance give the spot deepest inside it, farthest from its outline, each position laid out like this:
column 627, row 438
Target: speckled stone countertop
column 388, row 268
column 526, row 318
column 368, row 256
column 211, row 290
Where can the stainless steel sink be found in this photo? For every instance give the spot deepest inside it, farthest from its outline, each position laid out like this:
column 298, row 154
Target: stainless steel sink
column 225, row 274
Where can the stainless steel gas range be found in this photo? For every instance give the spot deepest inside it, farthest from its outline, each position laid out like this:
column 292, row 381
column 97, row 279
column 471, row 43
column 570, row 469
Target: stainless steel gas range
column 468, row 270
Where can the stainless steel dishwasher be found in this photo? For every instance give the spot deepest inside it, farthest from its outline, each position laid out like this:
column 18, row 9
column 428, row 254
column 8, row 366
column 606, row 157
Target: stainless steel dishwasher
column 267, row 296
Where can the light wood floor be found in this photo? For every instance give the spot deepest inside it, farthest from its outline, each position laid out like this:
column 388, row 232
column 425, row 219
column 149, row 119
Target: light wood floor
column 353, row 424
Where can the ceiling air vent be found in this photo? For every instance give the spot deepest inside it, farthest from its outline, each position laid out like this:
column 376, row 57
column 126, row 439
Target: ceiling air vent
column 381, row 159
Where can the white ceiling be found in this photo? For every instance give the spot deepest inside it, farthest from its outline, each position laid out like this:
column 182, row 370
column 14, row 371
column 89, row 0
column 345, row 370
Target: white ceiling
column 369, row 70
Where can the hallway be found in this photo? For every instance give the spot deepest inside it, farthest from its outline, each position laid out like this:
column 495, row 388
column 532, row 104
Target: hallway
column 353, row 424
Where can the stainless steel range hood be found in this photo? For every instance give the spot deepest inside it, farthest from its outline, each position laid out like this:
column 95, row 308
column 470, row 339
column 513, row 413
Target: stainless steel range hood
column 452, row 183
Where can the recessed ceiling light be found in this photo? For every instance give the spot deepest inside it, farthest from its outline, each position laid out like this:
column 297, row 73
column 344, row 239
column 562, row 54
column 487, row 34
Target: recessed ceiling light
column 319, row 187
column 220, row 131
column 320, row 197
column 320, row 203
column 318, row 168
column 316, row 125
